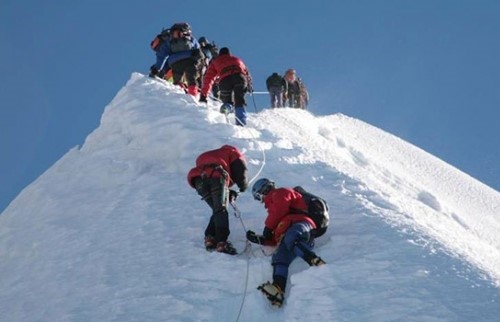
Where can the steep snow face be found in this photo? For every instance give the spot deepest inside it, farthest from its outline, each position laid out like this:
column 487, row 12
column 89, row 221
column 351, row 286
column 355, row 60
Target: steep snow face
column 112, row 231
column 414, row 189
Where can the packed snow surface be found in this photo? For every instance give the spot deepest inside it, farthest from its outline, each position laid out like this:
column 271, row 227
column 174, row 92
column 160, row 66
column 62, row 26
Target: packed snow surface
column 113, row 232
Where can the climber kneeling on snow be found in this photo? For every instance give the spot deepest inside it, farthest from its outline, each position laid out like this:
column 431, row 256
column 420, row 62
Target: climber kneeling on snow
column 288, row 225
column 215, row 172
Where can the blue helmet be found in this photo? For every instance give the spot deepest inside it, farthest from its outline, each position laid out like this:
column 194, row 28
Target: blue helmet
column 261, row 188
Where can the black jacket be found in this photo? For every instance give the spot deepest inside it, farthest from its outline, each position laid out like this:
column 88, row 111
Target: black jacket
column 276, row 80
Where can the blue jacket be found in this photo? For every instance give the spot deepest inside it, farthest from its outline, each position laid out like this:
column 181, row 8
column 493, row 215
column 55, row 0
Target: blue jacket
column 164, row 52
column 207, row 52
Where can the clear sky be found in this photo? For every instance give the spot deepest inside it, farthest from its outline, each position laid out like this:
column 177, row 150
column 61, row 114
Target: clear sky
column 427, row 71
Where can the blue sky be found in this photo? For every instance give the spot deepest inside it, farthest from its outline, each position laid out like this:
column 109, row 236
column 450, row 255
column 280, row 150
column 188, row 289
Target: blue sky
column 426, row 71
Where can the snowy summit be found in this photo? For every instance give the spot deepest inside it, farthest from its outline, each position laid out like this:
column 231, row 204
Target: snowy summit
column 113, row 231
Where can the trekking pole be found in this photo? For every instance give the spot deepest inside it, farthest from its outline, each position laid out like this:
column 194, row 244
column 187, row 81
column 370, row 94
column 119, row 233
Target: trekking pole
column 253, row 99
column 254, row 105
column 164, row 62
column 218, row 100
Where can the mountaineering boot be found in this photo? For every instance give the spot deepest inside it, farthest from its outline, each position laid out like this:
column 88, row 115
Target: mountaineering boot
column 226, row 108
column 310, row 257
column 241, row 116
column 273, row 293
column 315, row 261
column 210, row 243
column 226, row 247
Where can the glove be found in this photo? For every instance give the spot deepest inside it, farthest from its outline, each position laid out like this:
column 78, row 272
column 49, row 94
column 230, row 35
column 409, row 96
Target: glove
column 232, row 195
column 254, row 238
column 153, row 71
column 267, row 234
column 203, row 98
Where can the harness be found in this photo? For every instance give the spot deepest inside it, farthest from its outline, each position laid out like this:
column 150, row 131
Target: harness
column 230, row 70
column 213, row 167
column 208, row 171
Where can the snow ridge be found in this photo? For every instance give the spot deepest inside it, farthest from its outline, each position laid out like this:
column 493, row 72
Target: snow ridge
column 113, row 232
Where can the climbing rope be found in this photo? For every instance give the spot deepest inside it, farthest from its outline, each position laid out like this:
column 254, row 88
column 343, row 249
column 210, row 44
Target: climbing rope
column 237, row 214
column 248, row 247
column 261, row 150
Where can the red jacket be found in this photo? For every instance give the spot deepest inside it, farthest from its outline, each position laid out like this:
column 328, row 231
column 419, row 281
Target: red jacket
column 229, row 158
column 221, row 67
column 280, row 204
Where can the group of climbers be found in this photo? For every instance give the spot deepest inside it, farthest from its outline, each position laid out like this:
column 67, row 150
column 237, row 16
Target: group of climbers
column 179, row 51
column 199, row 68
column 294, row 216
column 291, row 224
column 287, row 90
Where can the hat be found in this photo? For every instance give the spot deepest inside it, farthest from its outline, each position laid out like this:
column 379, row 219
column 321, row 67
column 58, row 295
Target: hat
column 224, row 51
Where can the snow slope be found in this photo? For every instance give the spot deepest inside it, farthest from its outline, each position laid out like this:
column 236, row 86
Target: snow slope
column 112, row 231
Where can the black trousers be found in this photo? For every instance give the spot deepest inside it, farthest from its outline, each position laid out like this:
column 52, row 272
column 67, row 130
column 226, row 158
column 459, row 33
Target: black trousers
column 185, row 67
column 215, row 193
column 233, row 85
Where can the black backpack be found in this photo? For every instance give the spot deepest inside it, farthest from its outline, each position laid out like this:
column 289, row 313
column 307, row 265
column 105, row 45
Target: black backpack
column 214, row 50
column 181, row 38
column 317, row 210
column 274, row 80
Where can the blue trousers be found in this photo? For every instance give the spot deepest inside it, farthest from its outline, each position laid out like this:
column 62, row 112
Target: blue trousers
column 297, row 242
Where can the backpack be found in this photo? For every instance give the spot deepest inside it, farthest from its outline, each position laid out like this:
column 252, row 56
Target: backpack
column 317, row 210
column 181, row 38
column 214, row 50
column 274, row 80
column 159, row 39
